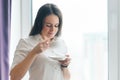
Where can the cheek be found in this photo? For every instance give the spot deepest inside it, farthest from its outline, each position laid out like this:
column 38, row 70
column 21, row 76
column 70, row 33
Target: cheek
column 45, row 29
column 56, row 30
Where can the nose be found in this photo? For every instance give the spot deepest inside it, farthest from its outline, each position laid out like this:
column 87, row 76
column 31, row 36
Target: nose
column 52, row 28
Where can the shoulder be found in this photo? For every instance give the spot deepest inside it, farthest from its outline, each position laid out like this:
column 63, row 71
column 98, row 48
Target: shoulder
column 24, row 42
column 29, row 39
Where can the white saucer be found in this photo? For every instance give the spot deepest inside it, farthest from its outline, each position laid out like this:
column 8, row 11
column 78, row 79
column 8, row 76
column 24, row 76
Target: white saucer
column 58, row 58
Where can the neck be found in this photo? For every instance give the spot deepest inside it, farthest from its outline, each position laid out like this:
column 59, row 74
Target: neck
column 44, row 38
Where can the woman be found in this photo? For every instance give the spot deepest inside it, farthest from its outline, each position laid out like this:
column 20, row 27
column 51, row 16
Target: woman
column 43, row 53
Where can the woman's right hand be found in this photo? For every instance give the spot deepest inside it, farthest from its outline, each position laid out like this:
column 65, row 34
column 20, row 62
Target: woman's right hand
column 40, row 47
column 18, row 72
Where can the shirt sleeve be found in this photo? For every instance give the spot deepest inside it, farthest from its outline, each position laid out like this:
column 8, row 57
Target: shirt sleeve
column 21, row 52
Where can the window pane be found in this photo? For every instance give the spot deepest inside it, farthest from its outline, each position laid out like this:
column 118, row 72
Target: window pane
column 85, row 32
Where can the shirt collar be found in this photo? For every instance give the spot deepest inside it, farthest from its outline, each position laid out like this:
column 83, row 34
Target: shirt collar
column 38, row 37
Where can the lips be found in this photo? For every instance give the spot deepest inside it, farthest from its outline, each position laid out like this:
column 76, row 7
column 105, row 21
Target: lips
column 51, row 33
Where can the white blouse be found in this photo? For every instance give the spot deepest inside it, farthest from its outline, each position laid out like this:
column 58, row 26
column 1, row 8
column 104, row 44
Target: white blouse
column 46, row 65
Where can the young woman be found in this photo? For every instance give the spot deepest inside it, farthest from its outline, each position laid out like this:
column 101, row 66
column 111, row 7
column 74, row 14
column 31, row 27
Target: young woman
column 43, row 53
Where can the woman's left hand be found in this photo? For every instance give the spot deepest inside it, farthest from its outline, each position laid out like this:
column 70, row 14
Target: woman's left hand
column 65, row 62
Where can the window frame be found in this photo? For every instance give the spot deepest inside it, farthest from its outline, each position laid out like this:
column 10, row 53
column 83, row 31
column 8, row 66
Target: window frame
column 113, row 40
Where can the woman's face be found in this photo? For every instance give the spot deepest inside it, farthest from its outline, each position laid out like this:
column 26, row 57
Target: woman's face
column 50, row 26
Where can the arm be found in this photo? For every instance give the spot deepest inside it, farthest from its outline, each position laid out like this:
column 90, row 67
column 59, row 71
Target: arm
column 66, row 73
column 18, row 72
column 64, row 67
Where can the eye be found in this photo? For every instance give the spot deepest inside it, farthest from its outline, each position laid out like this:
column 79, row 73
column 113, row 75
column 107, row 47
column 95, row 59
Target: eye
column 48, row 25
column 56, row 26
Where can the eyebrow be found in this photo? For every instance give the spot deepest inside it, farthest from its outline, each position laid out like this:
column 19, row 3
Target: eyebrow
column 51, row 23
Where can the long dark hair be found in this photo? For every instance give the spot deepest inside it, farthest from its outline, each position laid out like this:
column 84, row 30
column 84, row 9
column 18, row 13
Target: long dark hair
column 44, row 11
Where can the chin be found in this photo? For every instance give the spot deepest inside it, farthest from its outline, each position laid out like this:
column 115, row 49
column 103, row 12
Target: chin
column 51, row 36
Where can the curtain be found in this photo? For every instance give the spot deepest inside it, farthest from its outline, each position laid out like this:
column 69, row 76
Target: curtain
column 5, row 17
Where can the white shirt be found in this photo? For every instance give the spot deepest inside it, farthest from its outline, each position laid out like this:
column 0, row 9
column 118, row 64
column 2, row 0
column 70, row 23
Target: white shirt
column 45, row 66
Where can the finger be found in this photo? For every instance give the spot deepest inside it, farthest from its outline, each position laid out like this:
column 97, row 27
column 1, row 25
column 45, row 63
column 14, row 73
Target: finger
column 61, row 61
column 68, row 59
column 47, row 41
column 67, row 55
column 46, row 45
column 41, row 46
column 67, row 63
